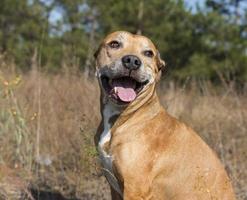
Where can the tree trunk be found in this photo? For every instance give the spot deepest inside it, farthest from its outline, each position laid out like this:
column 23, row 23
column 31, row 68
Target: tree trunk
column 91, row 45
column 140, row 17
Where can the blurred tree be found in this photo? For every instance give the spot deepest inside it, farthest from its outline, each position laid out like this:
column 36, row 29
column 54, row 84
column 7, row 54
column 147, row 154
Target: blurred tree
column 76, row 32
column 22, row 27
column 226, row 38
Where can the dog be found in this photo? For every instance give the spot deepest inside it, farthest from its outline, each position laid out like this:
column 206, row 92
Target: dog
column 145, row 153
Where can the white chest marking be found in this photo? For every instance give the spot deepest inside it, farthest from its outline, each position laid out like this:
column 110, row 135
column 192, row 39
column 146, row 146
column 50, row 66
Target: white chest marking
column 106, row 159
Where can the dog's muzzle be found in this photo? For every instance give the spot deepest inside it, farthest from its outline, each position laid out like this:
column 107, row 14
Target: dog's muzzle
column 122, row 89
column 124, row 79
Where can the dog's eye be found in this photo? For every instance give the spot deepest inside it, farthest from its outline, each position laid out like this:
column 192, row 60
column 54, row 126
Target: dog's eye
column 148, row 53
column 114, row 44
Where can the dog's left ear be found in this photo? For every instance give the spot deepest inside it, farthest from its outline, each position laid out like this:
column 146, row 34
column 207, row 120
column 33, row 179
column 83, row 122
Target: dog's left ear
column 160, row 63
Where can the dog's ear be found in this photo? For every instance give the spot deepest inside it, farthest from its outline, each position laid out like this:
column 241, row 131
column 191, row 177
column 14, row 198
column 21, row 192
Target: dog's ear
column 160, row 63
column 96, row 53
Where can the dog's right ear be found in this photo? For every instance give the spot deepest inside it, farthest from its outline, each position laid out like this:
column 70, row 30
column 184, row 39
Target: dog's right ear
column 96, row 53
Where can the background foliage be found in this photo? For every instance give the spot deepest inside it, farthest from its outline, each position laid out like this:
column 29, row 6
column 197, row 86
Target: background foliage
column 204, row 43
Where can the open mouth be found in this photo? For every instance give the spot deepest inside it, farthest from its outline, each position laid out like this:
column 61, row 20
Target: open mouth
column 123, row 89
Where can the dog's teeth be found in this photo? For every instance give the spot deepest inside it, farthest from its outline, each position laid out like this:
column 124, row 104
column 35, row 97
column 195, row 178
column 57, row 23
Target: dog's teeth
column 115, row 90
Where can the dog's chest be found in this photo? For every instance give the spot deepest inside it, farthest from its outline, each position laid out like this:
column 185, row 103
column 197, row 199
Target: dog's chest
column 105, row 157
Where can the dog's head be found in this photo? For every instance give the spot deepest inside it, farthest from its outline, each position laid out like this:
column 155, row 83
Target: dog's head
column 126, row 65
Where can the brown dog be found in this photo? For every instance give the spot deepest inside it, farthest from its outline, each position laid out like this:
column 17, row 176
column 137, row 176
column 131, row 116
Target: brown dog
column 146, row 153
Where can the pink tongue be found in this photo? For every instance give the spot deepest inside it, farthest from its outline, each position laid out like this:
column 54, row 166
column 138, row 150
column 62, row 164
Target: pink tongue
column 126, row 94
column 124, row 89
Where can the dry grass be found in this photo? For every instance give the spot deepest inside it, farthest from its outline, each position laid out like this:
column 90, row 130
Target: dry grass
column 47, row 123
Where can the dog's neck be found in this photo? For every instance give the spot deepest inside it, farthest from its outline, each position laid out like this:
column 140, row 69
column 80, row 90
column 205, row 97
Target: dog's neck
column 115, row 116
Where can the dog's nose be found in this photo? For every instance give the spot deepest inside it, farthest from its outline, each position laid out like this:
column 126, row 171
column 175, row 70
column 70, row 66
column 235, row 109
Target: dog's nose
column 131, row 62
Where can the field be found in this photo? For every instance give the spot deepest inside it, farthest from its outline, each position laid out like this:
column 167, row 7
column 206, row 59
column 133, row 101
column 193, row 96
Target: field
column 47, row 123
